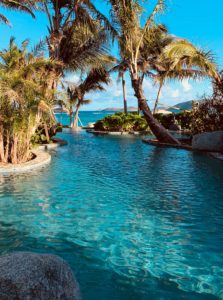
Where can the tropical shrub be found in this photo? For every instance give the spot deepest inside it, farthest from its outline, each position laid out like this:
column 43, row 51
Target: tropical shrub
column 218, row 87
column 207, row 115
column 24, row 100
column 122, row 122
column 184, row 119
column 39, row 137
column 165, row 120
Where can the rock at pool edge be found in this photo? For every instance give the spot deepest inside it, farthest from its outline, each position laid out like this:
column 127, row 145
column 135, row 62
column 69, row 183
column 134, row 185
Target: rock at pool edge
column 208, row 141
column 31, row 276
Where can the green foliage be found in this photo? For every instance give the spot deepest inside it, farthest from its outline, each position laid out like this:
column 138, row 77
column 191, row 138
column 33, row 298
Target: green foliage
column 39, row 137
column 184, row 119
column 122, row 122
column 207, row 115
column 218, row 87
column 24, row 100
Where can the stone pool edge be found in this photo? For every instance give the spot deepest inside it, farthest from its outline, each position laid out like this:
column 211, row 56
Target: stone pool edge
column 153, row 142
column 57, row 142
column 42, row 158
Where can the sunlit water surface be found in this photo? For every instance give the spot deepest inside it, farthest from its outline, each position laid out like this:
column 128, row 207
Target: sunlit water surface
column 132, row 220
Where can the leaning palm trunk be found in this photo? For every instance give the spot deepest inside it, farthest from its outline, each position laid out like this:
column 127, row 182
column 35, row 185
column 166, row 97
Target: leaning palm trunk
column 158, row 96
column 157, row 129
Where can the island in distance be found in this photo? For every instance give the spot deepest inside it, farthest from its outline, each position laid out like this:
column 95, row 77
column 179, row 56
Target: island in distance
column 115, row 109
column 187, row 105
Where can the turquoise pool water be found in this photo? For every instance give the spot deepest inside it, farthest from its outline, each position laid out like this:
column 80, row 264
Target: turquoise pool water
column 85, row 117
column 133, row 221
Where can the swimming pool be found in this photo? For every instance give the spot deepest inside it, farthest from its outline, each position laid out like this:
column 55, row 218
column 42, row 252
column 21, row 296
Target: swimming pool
column 133, row 221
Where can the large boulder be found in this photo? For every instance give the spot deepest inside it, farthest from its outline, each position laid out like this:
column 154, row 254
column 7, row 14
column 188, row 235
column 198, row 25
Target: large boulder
column 208, row 141
column 30, row 276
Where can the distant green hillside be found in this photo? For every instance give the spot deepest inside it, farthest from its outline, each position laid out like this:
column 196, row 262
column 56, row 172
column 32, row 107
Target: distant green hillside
column 115, row 109
column 187, row 105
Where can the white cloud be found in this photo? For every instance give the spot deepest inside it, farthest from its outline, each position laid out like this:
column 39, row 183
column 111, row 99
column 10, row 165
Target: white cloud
column 186, row 85
column 175, row 94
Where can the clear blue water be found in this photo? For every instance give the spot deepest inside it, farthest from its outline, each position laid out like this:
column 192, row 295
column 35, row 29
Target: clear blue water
column 133, row 221
column 85, row 117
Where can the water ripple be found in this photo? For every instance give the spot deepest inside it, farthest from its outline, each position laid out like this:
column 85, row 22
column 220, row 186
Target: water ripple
column 129, row 218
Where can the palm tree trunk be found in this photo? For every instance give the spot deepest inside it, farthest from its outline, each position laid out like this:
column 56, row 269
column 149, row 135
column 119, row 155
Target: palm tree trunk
column 157, row 129
column 76, row 117
column 124, row 93
column 14, row 154
column 7, row 148
column 158, row 96
column 2, row 152
column 46, row 132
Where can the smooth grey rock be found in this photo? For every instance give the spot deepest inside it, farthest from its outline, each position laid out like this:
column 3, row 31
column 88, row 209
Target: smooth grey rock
column 31, row 276
column 208, row 141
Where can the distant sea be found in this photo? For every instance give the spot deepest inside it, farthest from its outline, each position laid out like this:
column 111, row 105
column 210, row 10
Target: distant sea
column 85, row 117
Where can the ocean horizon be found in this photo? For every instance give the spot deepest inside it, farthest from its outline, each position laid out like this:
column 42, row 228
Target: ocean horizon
column 85, row 116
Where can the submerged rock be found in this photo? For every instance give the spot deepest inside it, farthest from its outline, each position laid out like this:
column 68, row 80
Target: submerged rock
column 208, row 141
column 31, row 276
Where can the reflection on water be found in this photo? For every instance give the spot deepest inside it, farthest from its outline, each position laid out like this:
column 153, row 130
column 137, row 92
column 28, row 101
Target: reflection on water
column 134, row 221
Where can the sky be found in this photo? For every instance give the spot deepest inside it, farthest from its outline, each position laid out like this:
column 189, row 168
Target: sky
column 199, row 21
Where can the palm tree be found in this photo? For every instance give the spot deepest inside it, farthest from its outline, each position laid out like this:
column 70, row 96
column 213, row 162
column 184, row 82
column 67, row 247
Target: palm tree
column 181, row 60
column 78, row 106
column 132, row 38
column 26, row 6
column 70, row 100
column 156, row 38
column 78, row 34
column 121, row 68
column 24, row 100
column 94, row 81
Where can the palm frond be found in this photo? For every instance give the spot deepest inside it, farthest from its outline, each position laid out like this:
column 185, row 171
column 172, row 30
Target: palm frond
column 99, row 16
column 39, row 48
column 182, row 53
column 86, row 102
column 21, row 5
column 4, row 20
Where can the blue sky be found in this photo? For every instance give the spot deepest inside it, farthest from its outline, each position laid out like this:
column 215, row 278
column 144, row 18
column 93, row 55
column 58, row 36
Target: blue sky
column 200, row 21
